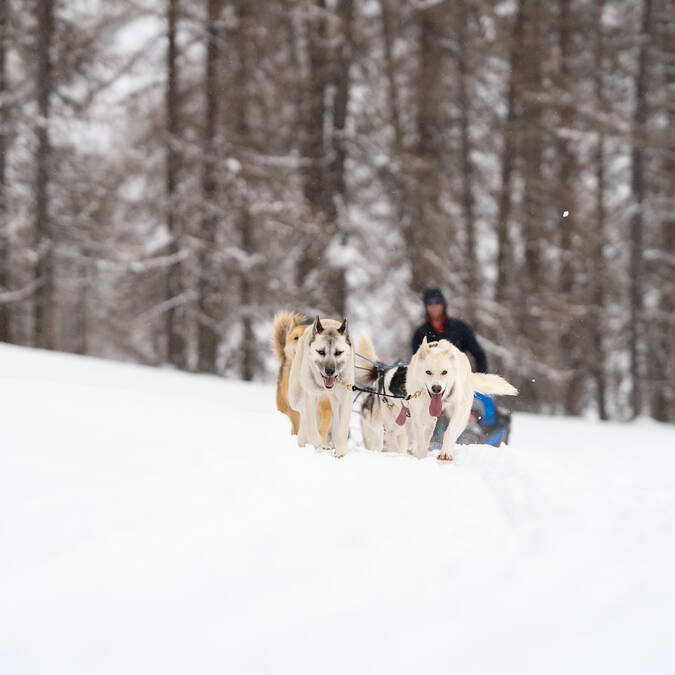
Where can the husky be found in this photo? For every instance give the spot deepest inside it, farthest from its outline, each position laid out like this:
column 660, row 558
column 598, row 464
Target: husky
column 383, row 418
column 287, row 331
column 323, row 365
column 440, row 375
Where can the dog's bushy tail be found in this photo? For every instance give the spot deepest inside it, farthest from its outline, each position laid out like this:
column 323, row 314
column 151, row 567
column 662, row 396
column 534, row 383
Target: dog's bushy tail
column 366, row 372
column 492, row 384
column 283, row 321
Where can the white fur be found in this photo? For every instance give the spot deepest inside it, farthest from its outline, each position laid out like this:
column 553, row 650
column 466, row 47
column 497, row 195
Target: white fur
column 306, row 383
column 451, row 370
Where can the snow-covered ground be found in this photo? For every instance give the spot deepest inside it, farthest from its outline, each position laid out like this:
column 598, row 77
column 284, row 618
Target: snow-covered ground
column 154, row 522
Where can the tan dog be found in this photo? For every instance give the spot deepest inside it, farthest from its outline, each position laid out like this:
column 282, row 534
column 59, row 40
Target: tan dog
column 442, row 375
column 288, row 329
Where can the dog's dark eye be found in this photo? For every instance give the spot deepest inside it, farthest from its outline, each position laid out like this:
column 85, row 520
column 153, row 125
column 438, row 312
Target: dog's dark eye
column 428, row 372
column 296, row 338
column 444, row 372
column 339, row 351
column 321, row 352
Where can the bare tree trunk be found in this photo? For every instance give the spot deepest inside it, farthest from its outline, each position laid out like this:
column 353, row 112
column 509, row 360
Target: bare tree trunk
column 662, row 354
column 337, row 199
column 597, row 343
column 573, row 334
column 566, row 204
column 465, row 153
column 44, row 297
column 175, row 316
column 5, row 335
column 244, row 220
column 323, row 176
column 314, row 183
column 532, row 131
column 637, row 332
column 534, row 198
column 207, row 338
column 313, row 152
column 504, row 256
column 396, row 179
column 430, row 232
column 392, row 89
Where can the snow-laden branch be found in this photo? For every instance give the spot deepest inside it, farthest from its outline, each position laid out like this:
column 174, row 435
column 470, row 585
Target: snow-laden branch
column 177, row 301
column 20, row 294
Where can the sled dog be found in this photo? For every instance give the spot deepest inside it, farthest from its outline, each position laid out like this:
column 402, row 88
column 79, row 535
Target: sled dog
column 383, row 419
column 323, row 365
column 442, row 374
column 288, row 329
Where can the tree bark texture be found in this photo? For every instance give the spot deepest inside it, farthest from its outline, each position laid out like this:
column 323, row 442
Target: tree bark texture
column 638, row 189
column 175, row 316
column 44, row 239
column 207, row 337
column 5, row 334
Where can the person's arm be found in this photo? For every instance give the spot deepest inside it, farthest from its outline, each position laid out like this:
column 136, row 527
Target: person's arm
column 471, row 345
column 418, row 336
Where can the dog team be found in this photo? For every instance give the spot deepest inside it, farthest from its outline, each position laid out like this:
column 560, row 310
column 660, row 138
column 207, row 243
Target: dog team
column 317, row 374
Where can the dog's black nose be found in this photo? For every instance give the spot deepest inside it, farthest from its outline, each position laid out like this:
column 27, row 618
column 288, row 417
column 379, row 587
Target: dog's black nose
column 436, row 389
column 330, row 371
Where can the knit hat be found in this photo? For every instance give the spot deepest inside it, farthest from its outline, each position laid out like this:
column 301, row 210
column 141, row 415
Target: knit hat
column 432, row 296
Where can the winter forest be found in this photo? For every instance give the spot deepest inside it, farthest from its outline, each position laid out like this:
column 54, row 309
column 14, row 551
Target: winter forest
column 173, row 172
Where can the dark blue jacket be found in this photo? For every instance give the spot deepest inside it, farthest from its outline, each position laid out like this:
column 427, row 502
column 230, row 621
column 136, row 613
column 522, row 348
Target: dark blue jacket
column 457, row 332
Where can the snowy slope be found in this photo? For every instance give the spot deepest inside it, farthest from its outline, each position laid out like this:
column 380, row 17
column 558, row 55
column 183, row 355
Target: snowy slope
column 154, row 522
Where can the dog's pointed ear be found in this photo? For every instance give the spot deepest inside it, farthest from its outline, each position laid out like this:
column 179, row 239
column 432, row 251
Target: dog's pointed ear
column 422, row 351
column 317, row 327
column 343, row 327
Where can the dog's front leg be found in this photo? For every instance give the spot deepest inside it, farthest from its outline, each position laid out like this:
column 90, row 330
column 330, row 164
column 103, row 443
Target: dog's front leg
column 458, row 421
column 368, row 432
column 378, row 438
column 341, row 424
column 401, row 437
column 308, row 431
column 312, row 415
column 302, row 431
column 295, row 420
column 417, row 431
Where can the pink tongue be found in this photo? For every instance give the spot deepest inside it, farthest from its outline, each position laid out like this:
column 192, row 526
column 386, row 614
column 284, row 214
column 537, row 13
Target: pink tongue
column 400, row 420
column 436, row 405
column 329, row 381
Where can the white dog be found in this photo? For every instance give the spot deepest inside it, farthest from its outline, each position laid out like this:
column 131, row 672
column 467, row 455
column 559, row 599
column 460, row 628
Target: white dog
column 383, row 417
column 323, row 364
column 441, row 376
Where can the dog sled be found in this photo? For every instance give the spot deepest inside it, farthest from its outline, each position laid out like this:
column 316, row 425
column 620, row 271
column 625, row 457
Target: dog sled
column 488, row 424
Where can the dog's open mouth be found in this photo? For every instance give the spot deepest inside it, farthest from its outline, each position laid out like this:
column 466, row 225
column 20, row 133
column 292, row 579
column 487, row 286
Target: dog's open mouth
column 436, row 404
column 328, row 381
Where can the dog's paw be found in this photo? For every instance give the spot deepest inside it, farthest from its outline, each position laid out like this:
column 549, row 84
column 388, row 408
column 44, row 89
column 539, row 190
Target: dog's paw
column 339, row 454
column 445, row 457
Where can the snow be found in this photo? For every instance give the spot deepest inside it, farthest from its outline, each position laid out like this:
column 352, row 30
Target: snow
column 157, row 522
